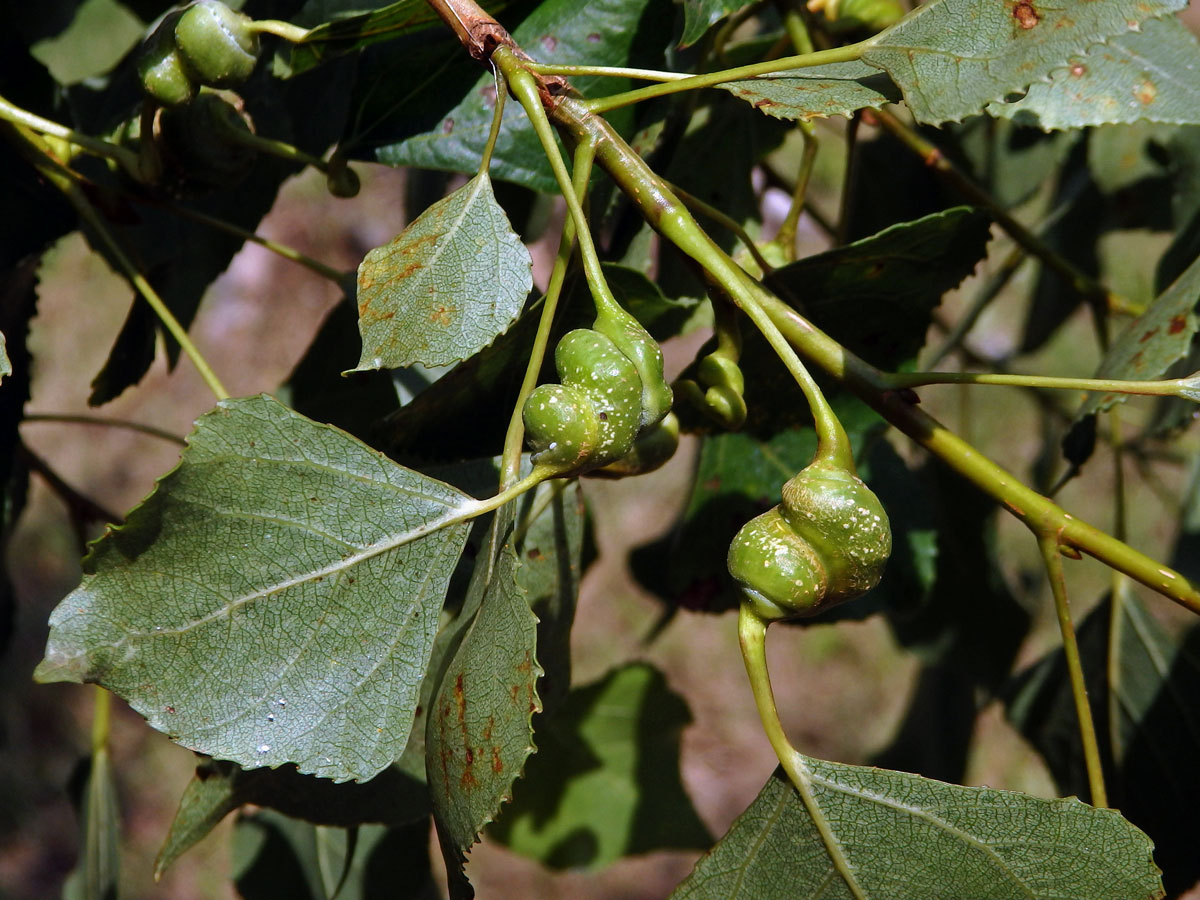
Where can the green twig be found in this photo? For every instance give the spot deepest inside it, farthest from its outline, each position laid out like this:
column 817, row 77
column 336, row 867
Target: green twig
column 71, row 419
column 64, row 180
column 289, row 253
column 1085, row 285
column 709, row 211
column 515, row 436
column 286, row 30
column 18, row 116
column 485, row 158
column 752, row 636
column 1171, row 387
column 849, row 53
column 1052, row 556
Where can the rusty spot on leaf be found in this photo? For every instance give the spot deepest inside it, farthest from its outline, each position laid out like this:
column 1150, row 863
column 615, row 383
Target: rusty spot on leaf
column 526, row 665
column 1149, row 334
column 593, row 38
column 468, row 780
column 1178, row 323
column 764, row 102
column 460, row 698
column 1145, row 92
column 448, row 126
column 535, row 555
column 1025, row 14
column 487, row 729
column 549, row 43
column 497, row 763
column 470, row 757
column 443, row 315
column 1078, row 70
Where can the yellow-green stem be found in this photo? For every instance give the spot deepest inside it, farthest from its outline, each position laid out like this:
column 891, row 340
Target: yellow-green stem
column 1079, row 280
column 101, row 719
column 1052, row 556
column 63, row 180
column 1173, row 387
column 18, row 116
column 289, row 253
column 848, row 53
column 524, row 86
column 66, row 418
column 514, row 438
column 286, row 30
column 485, row 158
column 752, row 636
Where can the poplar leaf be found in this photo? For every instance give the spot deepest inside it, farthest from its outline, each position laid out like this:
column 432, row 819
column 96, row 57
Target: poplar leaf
column 905, row 837
column 951, row 58
column 1153, row 341
column 274, row 600
column 1151, row 75
column 442, row 289
column 837, row 89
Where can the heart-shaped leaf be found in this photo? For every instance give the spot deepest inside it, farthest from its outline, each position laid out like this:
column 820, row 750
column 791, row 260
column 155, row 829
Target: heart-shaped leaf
column 905, row 837
column 951, row 58
column 443, row 288
column 274, row 600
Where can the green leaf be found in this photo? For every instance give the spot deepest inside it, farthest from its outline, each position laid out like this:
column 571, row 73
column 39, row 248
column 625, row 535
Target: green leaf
column 1148, row 75
column 878, row 294
column 218, row 787
column 5, row 363
column 605, row 782
column 837, row 89
column 443, row 288
column 274, row 600
column 699, row 15
column 96, row 876
column 951, row 58
column 551, row 554
column 276, row 858
column 909, row 838
column 1148, row 751
column 358, row 26
column 593, row 33
column 1153, row 341
column 478, row 732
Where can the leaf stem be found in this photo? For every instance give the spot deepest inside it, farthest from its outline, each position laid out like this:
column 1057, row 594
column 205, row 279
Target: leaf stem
column 97, row 146
column 524, row 86
column 71, row 419
column 1052, row 556
column 607, row 71
column 63, row 179
column 88, row 213
column 849, row 53
column 752, row 637
column 292, row 33
column 1172, row 387
column 515, row 436
column 290, row 253
column 485, row 160
column 709, row 211
column 1085, row 285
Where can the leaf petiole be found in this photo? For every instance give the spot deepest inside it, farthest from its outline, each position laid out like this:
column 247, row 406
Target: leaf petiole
column 752, row 638
column 849, row 53
column 1188, row 388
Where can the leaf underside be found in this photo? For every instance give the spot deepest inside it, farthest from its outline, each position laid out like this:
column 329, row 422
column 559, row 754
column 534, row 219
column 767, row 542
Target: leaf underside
column 899, row 833
column 951, row 58
column 273, row 601
column 443, row 288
